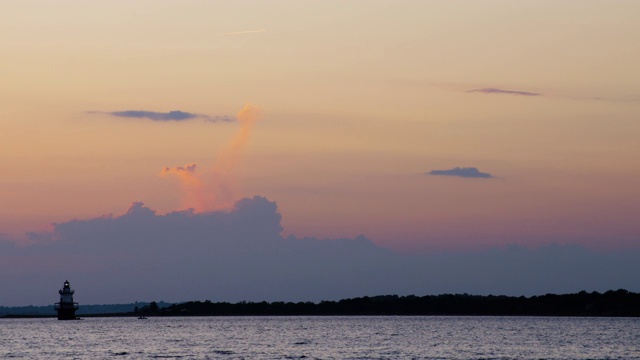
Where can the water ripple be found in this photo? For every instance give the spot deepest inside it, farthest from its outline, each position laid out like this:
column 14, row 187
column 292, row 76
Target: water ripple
column 460, row 338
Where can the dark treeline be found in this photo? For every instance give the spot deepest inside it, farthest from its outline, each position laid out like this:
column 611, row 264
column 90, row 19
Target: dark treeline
column 610, row 303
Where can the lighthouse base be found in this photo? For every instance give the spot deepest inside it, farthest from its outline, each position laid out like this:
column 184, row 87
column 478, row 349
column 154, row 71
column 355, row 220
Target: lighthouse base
column 66, row 311
column 66, row 314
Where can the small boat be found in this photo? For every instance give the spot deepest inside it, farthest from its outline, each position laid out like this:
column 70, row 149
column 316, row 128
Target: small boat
column 142, row 317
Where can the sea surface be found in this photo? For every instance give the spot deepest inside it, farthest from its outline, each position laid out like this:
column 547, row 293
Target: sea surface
column 328, row 337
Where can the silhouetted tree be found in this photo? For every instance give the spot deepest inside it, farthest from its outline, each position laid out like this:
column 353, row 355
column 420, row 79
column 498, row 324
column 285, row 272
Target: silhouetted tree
column 153, row 307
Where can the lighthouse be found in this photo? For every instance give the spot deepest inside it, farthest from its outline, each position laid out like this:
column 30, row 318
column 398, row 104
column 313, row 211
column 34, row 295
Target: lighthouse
column 66, row 307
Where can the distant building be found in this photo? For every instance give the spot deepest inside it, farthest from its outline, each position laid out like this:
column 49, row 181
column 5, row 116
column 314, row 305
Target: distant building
column 66, row 307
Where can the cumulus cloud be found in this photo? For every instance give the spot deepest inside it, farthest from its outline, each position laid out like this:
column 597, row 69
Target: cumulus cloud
column 240, row 254
column 175, row 115
column 503, row 91
column 466, row 172
column 194, row 192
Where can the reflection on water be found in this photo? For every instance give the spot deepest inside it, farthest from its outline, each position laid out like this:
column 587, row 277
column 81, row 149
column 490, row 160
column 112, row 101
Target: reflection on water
column 322, row 338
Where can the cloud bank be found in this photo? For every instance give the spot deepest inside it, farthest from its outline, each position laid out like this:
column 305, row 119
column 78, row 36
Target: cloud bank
column 503, row 91
column 175, row 115
column 466, row 172
column 240, row 254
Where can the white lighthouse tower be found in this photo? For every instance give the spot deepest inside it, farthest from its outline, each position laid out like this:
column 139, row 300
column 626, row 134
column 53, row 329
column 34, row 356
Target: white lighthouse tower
column 66, row 307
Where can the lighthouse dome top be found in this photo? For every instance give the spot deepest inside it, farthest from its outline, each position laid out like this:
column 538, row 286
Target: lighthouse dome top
column 66, row 288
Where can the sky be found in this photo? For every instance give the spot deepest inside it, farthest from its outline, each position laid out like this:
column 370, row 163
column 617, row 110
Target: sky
column 392, row 139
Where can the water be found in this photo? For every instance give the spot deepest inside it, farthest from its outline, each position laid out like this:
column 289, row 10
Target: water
column 322, row 338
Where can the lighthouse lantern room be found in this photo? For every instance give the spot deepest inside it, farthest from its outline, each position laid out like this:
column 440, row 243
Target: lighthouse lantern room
column 66, row 308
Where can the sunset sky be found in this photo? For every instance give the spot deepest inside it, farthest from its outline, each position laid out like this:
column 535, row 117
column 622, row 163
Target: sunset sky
column 365, row 117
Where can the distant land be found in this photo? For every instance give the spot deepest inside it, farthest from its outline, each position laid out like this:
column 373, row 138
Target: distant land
column 48, row 310
column 611, row 303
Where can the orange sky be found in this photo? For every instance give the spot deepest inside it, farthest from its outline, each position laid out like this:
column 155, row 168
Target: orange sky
column 359, row 101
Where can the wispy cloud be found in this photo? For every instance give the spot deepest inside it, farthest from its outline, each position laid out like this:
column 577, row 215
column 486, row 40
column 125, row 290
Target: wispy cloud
column 505, row 92
column 549, row 92
column 466, row 172
column 244, row 32
column 217, row 188
column 175, row 115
